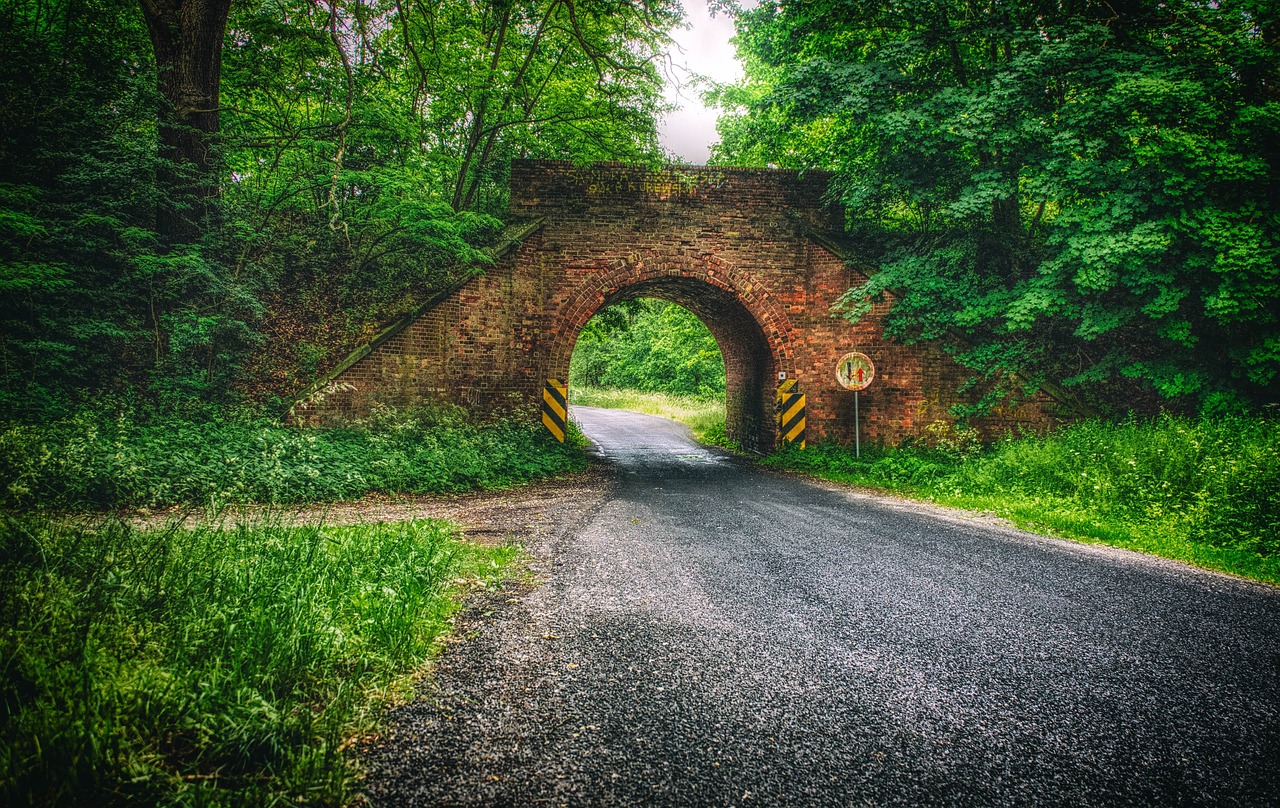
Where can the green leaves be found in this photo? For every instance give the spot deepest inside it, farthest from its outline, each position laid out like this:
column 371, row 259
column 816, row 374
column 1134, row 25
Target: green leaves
column 650, row 346
column 1042, row 176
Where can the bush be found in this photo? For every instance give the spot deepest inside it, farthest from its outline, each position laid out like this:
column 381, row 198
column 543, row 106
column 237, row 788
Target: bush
column 94, row 458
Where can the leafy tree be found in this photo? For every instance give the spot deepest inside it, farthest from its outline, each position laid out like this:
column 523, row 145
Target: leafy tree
column 79, row 269
column 1076, row 197
column 556, row 78
column 209, row 216
column 648, row 345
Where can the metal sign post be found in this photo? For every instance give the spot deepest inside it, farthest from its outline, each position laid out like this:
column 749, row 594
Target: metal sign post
column 854, row 372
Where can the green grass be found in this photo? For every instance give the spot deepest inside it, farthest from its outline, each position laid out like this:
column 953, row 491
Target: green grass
column 101, row 459
column 1206, row 492
column 703, row 416
column 212, row 666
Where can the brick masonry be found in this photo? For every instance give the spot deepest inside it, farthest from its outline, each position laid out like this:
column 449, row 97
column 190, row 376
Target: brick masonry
column 734, row 246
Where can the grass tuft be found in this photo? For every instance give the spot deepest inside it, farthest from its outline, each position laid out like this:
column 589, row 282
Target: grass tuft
column 214, row 666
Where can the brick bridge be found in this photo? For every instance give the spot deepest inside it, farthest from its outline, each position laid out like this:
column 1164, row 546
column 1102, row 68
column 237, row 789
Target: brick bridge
column 753, row 253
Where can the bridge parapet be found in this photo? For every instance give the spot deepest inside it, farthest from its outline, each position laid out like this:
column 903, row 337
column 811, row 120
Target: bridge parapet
column 771, row 196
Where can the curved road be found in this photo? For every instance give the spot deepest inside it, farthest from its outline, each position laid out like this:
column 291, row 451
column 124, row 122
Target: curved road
column 712, row 634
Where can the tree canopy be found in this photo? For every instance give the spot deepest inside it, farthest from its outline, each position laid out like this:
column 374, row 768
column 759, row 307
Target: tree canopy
column 197, row 234
column 648, row 345
column 1079, row 197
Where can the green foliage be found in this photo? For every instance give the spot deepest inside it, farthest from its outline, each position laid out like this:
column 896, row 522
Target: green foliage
column 100, row 459
column 213, row 666
column 1212, row 481
column 556, row 78
column 649, row 346
column 1070, row 197
column 76, row 176
column 361, row 164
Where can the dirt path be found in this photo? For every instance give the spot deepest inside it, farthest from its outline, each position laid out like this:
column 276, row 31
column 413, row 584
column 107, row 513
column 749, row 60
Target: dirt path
column 522, row 514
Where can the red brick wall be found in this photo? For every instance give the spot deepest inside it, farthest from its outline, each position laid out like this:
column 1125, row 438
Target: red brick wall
column 728, row 244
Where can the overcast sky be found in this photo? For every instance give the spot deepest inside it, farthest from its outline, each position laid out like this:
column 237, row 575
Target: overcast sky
column 702, row 49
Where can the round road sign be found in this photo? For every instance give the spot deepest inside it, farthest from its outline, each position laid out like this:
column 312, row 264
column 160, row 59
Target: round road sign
column 855, row 371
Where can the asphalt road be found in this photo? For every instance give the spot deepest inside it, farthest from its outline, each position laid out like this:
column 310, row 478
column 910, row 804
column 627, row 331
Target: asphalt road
column 712, row 634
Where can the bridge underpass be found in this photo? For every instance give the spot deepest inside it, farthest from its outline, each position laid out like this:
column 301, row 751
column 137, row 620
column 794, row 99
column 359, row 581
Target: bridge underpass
column 758, row 255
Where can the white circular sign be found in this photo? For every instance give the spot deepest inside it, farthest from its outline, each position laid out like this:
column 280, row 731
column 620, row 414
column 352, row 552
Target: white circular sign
column 855, row 371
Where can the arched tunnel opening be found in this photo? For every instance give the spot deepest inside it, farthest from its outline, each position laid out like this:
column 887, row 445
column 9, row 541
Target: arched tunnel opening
column 747, row 359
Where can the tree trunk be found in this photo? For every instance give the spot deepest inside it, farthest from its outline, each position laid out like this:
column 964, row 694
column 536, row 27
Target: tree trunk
column 187, row 37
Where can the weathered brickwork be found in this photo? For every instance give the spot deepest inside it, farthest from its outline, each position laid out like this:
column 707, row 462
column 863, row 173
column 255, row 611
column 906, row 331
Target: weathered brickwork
column 734, row 246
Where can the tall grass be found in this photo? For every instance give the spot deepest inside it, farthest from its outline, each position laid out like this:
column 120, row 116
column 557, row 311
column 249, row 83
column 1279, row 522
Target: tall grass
column 97, row 458
column 703, row 416
column 1206, row 491
column 210, row 666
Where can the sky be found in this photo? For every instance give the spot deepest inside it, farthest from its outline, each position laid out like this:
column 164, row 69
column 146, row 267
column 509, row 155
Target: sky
column 702, row 49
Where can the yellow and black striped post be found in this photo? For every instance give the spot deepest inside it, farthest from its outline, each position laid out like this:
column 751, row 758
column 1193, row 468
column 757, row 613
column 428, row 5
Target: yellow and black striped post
column 555, row 408
column 791, row 420
column 785, row 388
column 788, row 386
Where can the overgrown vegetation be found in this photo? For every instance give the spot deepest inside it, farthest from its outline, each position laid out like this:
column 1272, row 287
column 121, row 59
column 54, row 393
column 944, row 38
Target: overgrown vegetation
column 1205, row 491
column 1079, row 197
column 103, row 458
column 650, row 346
column 213, row 666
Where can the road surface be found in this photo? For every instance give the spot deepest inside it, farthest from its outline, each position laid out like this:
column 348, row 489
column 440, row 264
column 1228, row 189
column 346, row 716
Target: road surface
column 713, row 634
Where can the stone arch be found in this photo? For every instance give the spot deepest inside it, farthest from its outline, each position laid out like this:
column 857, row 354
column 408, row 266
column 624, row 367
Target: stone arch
column 750, row 327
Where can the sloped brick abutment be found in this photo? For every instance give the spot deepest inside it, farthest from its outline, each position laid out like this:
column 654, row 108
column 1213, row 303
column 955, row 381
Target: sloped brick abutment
column 751, row 252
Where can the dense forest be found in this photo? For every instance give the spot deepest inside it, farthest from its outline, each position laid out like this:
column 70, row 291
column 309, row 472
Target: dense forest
column 203, row 201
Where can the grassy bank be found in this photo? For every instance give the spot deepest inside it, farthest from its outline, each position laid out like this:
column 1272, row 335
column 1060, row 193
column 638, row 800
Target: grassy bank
column 103, row 459
column 211, row 666
column 704, row 416
column 1202, row 491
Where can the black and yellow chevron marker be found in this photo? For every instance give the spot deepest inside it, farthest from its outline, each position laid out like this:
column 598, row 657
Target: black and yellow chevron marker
column 788, row 386
column 555, row 408
column 791, row 420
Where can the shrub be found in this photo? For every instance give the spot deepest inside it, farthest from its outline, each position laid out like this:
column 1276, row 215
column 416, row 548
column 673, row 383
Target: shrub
column 94, row 458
